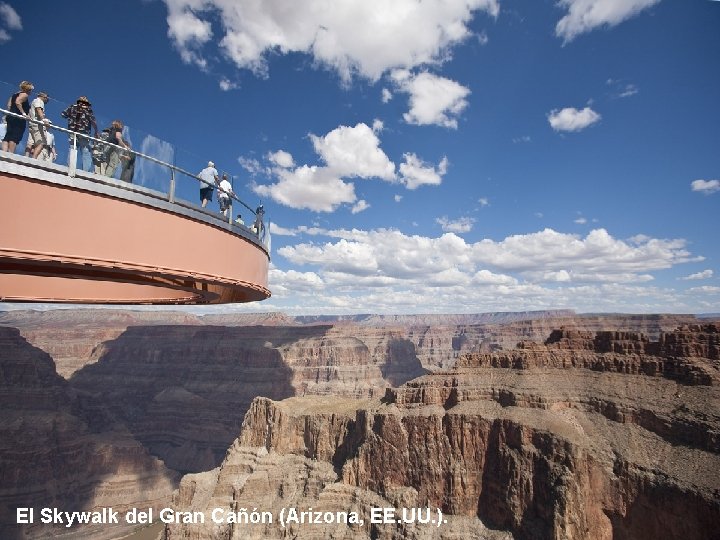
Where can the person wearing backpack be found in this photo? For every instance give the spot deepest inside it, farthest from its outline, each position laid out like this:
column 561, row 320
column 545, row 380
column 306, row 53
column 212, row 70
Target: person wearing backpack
column 100, row 151
column 113, row 155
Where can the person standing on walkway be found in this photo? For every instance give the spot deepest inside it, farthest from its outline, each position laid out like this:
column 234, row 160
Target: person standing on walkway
column 210, row 175
column 224, row 194
column 37, row 131
column 80, row 119
column 18, row 104
column 113, row 155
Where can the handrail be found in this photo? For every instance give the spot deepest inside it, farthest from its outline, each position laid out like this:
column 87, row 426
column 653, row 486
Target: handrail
column 139, row 154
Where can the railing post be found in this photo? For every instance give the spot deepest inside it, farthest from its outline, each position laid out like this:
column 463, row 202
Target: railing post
column 171, row 193
column 230, row 213
column 72, row 156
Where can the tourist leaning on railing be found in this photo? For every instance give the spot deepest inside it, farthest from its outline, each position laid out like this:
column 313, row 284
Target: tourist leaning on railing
column 19, row 104
column 80, row 118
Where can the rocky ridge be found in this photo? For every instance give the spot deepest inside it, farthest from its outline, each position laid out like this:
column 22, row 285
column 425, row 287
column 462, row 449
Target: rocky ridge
column 537, row 449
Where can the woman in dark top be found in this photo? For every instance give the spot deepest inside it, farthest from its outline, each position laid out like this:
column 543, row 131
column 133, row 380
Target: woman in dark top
column 18, row 104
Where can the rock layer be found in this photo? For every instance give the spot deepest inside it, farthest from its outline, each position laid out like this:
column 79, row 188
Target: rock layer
column 541, row 450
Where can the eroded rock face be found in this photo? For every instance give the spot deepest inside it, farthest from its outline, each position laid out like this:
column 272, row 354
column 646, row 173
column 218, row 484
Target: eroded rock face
column 51, row 451
column 539, row 450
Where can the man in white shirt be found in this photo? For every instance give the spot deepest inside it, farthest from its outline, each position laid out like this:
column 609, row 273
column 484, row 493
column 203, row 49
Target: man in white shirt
column 210, row 175
column 37, row 132
column 224, row 194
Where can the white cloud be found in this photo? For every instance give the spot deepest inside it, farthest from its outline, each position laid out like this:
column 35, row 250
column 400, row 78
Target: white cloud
column 251, row 165
column 586, row 15
column 414, row 172
column 10, row 20
column 360, row 206
column 706, row 289
column 189, row 33
column 433, row 99
column 365, row 38
column 315, row 188
column 354, row 152
column 347, row 152
column 386, row 95
column 389, row 271
column 523, row 139
column 398, row 198
column 581, row 221
column 705, row 274
column 630, row 90
column 276, row 229
column 461, row 225
column 483, row 38
column 378, row 125
column 10, row 17
column 484, row 201
column 598, row 253
column 227, row 85
column 705, row 186
column 281, row 158
column 571, row 119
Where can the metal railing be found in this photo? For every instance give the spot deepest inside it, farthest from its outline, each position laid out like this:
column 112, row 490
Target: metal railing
column 257, row 226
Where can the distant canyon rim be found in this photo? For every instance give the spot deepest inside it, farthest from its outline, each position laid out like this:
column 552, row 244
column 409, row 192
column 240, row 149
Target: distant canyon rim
column 545, row 424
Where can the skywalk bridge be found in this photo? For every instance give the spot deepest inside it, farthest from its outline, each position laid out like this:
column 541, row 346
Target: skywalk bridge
column 72, row 236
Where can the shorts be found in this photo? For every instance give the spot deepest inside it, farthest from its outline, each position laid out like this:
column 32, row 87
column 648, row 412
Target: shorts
column 15, row 130
column 206, row 193
column 37, row 135
column 224, row 203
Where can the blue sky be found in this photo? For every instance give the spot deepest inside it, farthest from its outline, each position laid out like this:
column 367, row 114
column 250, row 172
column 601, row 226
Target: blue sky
column 435, row 156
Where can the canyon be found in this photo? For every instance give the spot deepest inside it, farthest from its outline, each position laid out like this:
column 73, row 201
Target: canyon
column 532, row 425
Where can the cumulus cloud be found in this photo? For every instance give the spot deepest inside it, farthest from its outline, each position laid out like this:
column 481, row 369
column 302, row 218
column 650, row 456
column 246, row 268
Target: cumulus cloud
column 346, row 153
column 705, row 274
column 189, row 33
column 598, row 256
column 460, row 225
column 389, row 271
column 572, row 119
column 315, row 188
column 10, row 21
column 414, row 172
column 386, row 95
column 354, row 151
column 484, row 201
column 365, row 38
column 281, row 158
column 586, row 15
column 434, row 100
column 360, row 206
column 705, row 186
column 581, row 221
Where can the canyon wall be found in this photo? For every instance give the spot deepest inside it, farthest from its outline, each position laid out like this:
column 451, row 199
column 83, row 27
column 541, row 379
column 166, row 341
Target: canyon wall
column 59, row 450
column 541, row 448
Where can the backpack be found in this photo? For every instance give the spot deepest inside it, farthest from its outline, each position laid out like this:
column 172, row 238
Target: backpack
column 100, row 151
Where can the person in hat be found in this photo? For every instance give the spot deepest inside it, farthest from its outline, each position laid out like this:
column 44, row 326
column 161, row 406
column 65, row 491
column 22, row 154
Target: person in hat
column 36, row 140
column 20, row 105
column 80, row 118
column 210, row 176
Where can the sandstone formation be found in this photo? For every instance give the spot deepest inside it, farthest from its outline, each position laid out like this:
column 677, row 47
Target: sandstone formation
column 58, row 450
column 539, row 447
